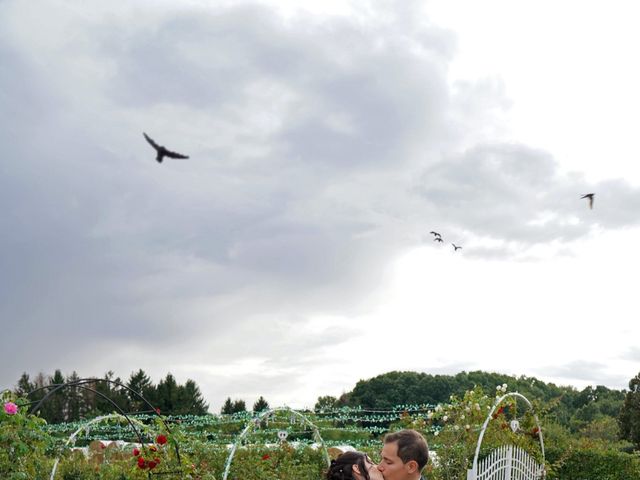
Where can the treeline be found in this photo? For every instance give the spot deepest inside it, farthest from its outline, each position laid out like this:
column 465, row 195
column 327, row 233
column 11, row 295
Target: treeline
column 101, row 396
column 571, row 408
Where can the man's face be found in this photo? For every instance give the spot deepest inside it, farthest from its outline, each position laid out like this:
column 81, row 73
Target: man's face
column 391, row 465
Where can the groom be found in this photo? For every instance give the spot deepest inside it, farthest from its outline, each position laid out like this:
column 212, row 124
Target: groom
column 404, row 455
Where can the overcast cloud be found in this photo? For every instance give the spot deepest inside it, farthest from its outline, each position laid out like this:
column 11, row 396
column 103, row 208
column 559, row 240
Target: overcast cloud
column 322, row 148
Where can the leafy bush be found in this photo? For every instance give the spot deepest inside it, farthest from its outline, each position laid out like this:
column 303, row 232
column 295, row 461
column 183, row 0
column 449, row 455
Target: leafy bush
column 596, row 464
column 22, row 442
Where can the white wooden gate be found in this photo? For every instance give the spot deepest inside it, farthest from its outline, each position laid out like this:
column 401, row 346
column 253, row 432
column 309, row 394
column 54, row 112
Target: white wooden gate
column 508, row 462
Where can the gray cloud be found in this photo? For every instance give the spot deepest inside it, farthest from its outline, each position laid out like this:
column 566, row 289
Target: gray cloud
column 306, row 139
column 595, row 373
column 517, row 195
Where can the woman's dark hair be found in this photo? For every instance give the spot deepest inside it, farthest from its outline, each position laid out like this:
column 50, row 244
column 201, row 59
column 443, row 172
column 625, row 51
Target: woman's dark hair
column 342, row 467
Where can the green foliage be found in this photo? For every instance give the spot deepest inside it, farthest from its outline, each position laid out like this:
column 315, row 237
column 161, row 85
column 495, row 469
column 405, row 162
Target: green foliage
column 23, row 443
column 629, row 419
column 327, row 402
column 591, row 462
column 281, row 462
column 453, row 430
column 567, row 406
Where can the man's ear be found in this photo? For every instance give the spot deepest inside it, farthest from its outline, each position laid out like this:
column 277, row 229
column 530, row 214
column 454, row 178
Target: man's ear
column 411, row 466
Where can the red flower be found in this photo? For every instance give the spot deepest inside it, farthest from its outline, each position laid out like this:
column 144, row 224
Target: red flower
column 266, row 456
column 136, row 452
column 153, row 448
column 161, row 439
column 141, row 462
column 102, row 445
column 158, row 411
column 157, row 460
column 152, row 464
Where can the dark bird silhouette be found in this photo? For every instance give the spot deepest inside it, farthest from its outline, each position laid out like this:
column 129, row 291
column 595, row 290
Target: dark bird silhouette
column 162, row 151
column 437, row 239
column 435, row 234
column 455, row 247
column 590, row 197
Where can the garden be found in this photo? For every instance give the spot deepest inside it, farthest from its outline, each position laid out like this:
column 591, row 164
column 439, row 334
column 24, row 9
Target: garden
column 286, row 444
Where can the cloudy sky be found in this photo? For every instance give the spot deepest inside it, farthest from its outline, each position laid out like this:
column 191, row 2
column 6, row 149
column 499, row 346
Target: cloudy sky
column 290, row 256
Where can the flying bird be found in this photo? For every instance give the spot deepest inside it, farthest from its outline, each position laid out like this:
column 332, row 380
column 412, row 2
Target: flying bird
column 590, row 197
column 455, row 247
column 437, row 239
column 162, row 151
column 435, row 234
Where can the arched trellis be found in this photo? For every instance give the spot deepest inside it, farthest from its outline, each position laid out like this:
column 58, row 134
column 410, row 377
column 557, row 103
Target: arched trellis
column 85, row 428
column 254, row 422
column 84, row 384
column 472, row 473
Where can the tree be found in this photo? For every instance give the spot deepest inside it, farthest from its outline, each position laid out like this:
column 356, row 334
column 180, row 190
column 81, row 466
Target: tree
column 167, row 391
column 190, row 400
column 227, row 408
column 24, row 386
column 239, row 406
column 140, row 383
column 325, row 403
column 261, row 405
column 54, row 408
column 76, row 407
column 629, row 419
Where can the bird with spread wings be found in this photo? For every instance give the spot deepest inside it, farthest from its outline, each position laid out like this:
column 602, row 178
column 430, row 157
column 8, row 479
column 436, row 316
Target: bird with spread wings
column 162, row 151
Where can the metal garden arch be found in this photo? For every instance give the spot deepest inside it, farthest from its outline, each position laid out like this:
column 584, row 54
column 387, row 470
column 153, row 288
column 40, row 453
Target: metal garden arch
column 508, row 462
column 136, row 426
column 254, row 422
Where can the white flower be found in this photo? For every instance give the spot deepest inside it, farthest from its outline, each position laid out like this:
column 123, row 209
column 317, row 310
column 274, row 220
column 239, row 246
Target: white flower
column 445, row 418
column 467, row 426
column 478, row 406
column 504, row 387
column 429, row 415
column 439, row 408
column 462, row 417
column 467, row 409
column 436, row 433
column 456, row 428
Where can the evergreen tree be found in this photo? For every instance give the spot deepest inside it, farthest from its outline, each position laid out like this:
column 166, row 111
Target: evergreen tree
column 261, row 405
column 167, row 395
column 142, row 384
column 54, row 410
column 227, row 408
column 24, row 386
column 76, row 408
column 190, row 400
column 239, row 406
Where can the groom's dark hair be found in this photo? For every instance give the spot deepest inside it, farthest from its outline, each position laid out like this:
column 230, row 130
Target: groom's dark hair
column 411, row 446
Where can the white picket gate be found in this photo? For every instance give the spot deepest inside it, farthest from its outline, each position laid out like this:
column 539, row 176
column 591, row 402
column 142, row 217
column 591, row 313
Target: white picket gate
column 507, row 463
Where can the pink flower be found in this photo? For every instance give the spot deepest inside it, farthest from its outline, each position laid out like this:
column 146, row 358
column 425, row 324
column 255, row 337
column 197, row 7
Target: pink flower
column 11, row 408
